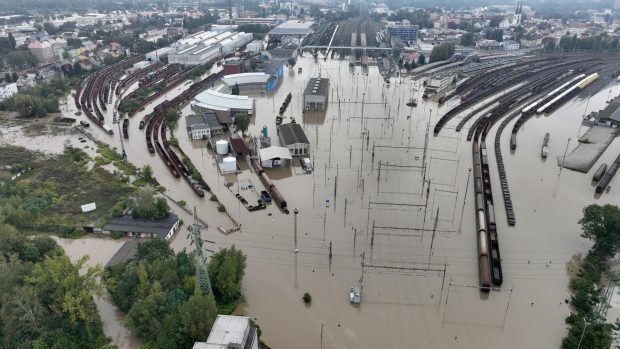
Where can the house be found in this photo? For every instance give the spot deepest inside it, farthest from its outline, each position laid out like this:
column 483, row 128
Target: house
column 274, row 156
column 230, row 332
column 203, row 125
column 292, row 136
column 145, row 228
column 7, row 90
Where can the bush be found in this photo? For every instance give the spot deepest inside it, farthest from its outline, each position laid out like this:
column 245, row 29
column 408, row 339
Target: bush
column 116, row 235
column 221, row 208
column 213, row 198
column 307, row 298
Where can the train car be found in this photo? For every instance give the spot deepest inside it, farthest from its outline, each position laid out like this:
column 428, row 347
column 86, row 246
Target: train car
column 587, row 81
column 599, row 173
column 607, row 177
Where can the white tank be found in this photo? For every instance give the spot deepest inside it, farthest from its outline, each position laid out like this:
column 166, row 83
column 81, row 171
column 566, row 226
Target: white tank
column 230, row 164
column 221, row 147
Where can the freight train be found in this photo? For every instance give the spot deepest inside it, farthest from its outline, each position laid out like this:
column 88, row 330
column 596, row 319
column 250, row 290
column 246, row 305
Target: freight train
column 271, row 188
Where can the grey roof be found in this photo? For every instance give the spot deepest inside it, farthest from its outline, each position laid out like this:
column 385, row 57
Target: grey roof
column 612, row 111
column 321, row 88
column 124, row 254
column 202, row 121
column 292, row 133
column 125, row 224
column 211, row 120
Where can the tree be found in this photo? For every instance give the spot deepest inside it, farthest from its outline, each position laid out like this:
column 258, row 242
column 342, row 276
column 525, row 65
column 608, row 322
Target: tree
column 226, row 269
column 235, row 90
column 442, row 52
column 14, row 76
column 601, row 224
column 307, row 298
column 28, row 107
column 147, row 315
column 77, row 68
column 153, row 250
column 67, row 288
column 421, row 59
column 147, row 173
column 467, row 39
column 12, row 41
column 242, row 121
column 145, row 205
column 7, row 77
column 172, row 115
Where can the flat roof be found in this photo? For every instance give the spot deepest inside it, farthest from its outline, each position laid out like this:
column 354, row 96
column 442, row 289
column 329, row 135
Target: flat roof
column 271, row 153
column 321, row 86
column 293, row 27
column 292, row 133
column 228, row 329
column 221, row 101
column 245, row 78
column 611, row 111
column 160, row 227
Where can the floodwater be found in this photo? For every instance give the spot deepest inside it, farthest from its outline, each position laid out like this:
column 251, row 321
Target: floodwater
column 100, row 250
column 413, row 295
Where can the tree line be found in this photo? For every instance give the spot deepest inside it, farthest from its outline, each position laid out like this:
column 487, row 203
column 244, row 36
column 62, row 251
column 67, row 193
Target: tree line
column 157, row 290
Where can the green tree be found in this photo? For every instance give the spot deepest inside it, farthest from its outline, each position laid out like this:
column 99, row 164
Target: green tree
column 601, row 224
column 242, row 121
column 421, row 59
column 67, row 288
column 14, row 76
column 146, row 205
column 442, row 52
column 153, row 250
column 235, row 90
column 147, row 173
column 226, row 270
column 172, row 116
column 467, row 39
column 146, row 316
column 7, row 77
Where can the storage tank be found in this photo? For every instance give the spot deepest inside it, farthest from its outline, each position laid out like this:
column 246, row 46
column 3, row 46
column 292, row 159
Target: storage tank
column 229, row 164
column 221, row 147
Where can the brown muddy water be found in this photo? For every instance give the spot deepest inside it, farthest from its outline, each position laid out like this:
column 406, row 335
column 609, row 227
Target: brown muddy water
column 407, row 301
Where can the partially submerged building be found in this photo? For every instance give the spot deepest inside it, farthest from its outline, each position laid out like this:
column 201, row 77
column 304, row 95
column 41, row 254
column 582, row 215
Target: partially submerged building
column 316, row 94
column 293, row 137
column 610, row 116
column 230, row 332
column 211, row 100
column 203, row 125
column 274, row 156
column 145, row 228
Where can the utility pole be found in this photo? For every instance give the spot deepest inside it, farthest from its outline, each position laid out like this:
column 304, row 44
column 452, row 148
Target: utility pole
column 203, row 283
column 296, row 212
column 465, row 197
column 564, row 157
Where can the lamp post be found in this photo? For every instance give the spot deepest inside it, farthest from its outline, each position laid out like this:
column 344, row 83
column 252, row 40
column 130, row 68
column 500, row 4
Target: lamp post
column 585, row 324
column 296, row 212
column 465, row 197
column 564, row 157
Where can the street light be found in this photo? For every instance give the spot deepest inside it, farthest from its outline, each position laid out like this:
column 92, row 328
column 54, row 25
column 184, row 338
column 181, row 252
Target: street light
column 296, row 212
column 585, row 324
column 564, row 157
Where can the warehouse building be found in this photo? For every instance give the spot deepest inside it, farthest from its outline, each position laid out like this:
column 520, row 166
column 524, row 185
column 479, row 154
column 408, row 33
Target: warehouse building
column 201, row 47
column 145, row 228
column 292, row 136
column 204, row 125
column 252, row 82
column 211, row 100
column 316, row 94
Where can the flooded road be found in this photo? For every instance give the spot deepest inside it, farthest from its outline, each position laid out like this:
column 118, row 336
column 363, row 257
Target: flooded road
column 367, row 198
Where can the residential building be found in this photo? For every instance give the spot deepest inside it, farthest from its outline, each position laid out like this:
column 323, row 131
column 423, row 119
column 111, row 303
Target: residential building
column 44, row 51
column 7, row 90
column 145, row 228
column 316, row 94
column 203, row 125
column 292, row 136
column 230, row 332
column 509, row 45
column 404, row 30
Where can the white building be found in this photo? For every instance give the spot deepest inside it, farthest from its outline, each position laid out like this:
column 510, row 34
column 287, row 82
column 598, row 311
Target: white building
column 211, row 100
column 509, row 45
column 7, row 90
column 274, row 156
column 205, row 46
column 439, row 82
column 316, row 94
column 230, row 332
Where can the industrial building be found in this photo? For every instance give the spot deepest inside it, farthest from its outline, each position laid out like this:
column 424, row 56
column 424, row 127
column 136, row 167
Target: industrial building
column 404, row 30
column 230, row 332
column 201, row 47
column 292, row 31
column 211, row 100
column 260, row 81
column 292, row 136
column 233, row 65
column 203, row 125
column 439, row 82
column 274, row 156
column 610, row 116
column 145, row 228
column 316, row 94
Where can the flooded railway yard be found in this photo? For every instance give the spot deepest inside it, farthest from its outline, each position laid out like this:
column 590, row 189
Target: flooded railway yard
column 388, row 204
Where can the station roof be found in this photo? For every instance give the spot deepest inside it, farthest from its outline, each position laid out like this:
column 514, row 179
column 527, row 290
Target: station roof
column 293, row 27
column 160, row 227
column 245, row 78
column 612, row 111
column 214, row 100
column 292, row 134
column 271, row 153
